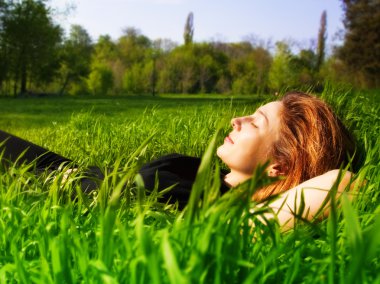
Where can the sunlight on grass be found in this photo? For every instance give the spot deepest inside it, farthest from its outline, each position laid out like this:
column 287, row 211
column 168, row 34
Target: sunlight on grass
column 122, row 234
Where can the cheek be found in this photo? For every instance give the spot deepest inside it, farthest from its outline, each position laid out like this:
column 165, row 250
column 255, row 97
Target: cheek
column 249, row 145
column 246, row 153
column 239, row 156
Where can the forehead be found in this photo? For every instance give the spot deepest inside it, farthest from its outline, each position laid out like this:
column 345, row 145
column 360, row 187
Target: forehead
column 272, row 109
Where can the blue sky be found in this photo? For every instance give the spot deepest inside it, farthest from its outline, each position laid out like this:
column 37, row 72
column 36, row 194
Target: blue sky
column 225, row 20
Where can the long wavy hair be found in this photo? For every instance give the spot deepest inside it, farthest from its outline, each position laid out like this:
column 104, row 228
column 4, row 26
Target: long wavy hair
column 313, row 140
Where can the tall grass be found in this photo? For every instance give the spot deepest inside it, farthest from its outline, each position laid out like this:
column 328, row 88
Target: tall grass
column 122, row 234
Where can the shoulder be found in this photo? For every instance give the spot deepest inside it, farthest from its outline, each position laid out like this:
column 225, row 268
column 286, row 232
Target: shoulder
column 174, row 161
column 169, row 169
column 175, row 171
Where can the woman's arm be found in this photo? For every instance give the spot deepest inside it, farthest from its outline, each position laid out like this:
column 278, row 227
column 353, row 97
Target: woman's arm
column 314, row 191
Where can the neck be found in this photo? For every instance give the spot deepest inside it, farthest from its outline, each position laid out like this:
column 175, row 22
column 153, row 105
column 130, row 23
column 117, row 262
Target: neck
column 235, row 178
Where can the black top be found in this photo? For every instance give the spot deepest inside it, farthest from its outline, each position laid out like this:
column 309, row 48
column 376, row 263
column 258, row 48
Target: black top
column 174, row 169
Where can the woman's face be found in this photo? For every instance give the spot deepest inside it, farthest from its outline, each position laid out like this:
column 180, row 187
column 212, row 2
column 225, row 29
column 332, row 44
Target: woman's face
column 251, row 140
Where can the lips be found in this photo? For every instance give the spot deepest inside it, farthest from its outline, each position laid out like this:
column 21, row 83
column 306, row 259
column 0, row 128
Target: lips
column 229, row 140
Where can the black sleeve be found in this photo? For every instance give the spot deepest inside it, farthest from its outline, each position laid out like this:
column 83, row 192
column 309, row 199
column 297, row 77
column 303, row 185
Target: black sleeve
column 13, row 148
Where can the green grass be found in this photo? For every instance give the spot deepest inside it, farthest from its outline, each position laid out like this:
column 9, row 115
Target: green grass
column 126, row 236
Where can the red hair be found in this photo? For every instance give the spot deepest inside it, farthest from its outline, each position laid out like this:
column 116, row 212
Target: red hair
column 312, row 141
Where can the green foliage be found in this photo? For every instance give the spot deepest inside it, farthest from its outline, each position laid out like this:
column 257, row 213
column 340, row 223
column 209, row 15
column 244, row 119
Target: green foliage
column 36, row 59
column 281, row 74
column 137, row 79
column 100, row 81
column 133, row 47
column 30, row 40
column 361, row 42
column 192, row 68
column 189, row 29
column 76, row 59
column 289, row 72
column 122, row 234
column 322, row 36
column 249, row 68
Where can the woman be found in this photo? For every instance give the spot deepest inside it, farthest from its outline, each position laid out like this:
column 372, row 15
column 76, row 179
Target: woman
column 305, row 144
column 301, row 138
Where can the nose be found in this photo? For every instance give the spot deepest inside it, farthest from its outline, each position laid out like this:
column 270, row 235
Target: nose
column 236, row 123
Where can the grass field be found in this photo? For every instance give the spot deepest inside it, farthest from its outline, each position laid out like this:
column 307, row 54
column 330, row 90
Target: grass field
column 117, row 236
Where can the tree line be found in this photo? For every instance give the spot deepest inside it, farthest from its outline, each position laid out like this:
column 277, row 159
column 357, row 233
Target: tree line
column 36, row 57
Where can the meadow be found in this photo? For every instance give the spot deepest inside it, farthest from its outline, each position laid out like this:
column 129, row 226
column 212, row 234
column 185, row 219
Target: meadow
column 122, row 234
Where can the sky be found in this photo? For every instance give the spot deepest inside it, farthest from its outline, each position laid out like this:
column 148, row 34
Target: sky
column 222, row 20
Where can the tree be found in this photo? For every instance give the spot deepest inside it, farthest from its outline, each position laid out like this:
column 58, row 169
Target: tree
column 4, row 68
column 360, row 51
column 105, row 49
column 100, row 80
column 249, row 67
column 153, row 74
column 31, row 42
column 3, row 12
column 303, row 67
column 135, row 53
column 76, row 57
column 281, row 73
column 107, row 69
column 133, row 47
column 137, row 79
column 321, row 41
column 189, row 29
column 164, row 45
column 199, row 67
column 170, row 76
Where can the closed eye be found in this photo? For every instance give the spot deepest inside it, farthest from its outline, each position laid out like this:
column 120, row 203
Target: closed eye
column 254, row 125
column 253, row 120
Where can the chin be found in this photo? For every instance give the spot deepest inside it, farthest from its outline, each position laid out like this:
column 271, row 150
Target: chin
column 222, row 153
column 219, row 152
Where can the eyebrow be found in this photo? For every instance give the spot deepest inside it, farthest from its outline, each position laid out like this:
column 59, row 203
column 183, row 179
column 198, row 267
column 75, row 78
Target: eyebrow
column 263, row 114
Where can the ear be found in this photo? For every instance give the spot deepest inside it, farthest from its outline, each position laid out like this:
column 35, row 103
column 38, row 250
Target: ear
column 276, row 170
